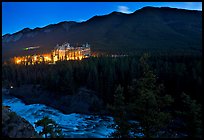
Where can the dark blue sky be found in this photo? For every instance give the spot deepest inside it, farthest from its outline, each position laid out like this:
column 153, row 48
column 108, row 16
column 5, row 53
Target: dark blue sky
column 19, row 15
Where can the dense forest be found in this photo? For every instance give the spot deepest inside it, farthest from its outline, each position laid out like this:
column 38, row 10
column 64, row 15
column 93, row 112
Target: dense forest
column 161, row 91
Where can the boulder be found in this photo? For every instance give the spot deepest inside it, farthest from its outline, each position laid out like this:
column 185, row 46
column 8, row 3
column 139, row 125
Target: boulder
column 14, row 126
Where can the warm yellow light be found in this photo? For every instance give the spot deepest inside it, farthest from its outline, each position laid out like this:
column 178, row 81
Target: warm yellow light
column 56, row 55
column 80, row 57
column 55, row 58
column 35, row 58
column 18, row 61
column 47, row 58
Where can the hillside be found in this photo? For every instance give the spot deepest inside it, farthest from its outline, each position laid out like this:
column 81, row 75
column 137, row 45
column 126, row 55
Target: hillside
column 151, row 29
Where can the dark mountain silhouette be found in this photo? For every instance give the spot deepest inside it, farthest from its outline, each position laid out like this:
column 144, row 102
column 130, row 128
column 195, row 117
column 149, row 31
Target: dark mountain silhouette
column 147, row 29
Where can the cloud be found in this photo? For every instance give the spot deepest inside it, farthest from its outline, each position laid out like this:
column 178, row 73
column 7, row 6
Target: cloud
column 124, row 9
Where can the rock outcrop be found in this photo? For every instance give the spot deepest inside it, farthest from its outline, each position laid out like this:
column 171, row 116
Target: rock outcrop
column 14, row 126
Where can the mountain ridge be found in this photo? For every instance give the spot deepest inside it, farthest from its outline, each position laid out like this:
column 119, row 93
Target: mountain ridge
column 149, row 28
column 114, row 12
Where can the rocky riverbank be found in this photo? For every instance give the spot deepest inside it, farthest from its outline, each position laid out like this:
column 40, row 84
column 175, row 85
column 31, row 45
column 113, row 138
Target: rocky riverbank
column 14, row 126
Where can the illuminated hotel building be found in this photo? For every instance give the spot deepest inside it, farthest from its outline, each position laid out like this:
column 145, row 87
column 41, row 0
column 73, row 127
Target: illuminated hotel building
column 63, row 52
column 66, row 52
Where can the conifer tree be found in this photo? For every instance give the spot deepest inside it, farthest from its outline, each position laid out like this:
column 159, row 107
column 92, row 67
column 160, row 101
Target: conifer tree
column 49, row 128
column 147, row 102
column 191, row 114
column 120, row 116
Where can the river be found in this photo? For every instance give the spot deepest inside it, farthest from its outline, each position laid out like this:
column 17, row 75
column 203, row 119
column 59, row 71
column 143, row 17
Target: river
column 73, row 125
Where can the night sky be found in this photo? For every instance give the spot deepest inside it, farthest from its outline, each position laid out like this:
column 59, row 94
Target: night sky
column 19, row 15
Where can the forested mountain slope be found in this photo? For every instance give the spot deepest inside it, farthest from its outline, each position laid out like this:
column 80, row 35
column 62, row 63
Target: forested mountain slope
column 147, row 29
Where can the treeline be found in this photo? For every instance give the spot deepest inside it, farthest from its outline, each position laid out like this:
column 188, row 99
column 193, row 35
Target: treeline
column 177, row 73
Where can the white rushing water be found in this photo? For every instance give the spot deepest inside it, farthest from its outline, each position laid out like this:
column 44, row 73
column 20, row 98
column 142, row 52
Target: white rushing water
column 73, row 125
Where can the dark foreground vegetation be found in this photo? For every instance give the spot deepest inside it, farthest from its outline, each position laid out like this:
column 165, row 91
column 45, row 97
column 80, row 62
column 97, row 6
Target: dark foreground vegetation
column 162, row 92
